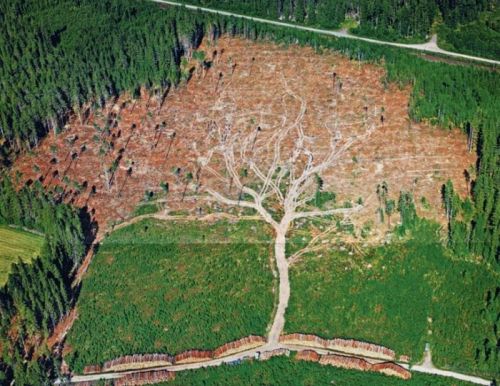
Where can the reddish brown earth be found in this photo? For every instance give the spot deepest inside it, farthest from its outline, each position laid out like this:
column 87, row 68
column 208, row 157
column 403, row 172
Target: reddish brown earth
column 62, row 328
column 268, row 91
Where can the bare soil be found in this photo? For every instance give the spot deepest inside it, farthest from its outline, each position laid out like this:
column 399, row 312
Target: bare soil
column 249, row 85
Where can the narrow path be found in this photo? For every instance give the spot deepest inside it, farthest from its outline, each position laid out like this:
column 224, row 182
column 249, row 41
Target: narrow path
column 430, row 46
column 160, row 216
column 427, row 362
column 284, row 290
column 167, row 217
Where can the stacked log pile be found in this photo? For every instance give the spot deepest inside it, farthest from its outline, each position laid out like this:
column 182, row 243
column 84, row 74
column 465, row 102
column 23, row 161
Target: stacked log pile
column 357, row 347
column 138, row 361
column 404, row 358
column 347, row 362
column 145, row 378
column 192, row 356
column 92, row 369
column 303, row 340
column 236, row 346
column 308, row 356
column 350, row 346
column 390, row 368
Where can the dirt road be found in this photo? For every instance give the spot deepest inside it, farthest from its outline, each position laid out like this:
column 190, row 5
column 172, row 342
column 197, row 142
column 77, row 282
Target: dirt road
column 261, row 349
column 430, row 46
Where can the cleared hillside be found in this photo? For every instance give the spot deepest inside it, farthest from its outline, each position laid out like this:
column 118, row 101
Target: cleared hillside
column 112, row 159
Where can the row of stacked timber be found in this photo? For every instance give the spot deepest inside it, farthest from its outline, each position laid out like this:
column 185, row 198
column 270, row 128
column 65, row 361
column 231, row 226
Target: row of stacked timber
column 264, row 356
column 349, row 346
column 236, row 346
column 138, row 361
column 347, row 362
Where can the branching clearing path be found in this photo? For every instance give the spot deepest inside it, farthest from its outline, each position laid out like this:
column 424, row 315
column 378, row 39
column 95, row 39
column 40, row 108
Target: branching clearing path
column 282, row 184
column 270, row 152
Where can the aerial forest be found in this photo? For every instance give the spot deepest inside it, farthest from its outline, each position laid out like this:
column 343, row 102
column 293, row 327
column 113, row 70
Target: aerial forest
column 64, row 57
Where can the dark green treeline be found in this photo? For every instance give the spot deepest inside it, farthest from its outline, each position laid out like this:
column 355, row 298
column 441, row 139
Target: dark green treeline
column 468, row 26
column 37, row 294
column 386, row 19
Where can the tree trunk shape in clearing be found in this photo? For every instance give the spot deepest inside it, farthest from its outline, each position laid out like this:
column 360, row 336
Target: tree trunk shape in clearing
column 284, row 290
column 281, row 168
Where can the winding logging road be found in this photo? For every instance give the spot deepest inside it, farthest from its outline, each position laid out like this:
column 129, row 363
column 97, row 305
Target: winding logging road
column 430, row 46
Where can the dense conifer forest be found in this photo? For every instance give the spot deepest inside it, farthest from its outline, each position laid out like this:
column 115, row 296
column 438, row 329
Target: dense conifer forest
column 409, row 20
column 62, row 55
column 173, row 262
column 59, row 57
column 471, row 30
column 37, row 294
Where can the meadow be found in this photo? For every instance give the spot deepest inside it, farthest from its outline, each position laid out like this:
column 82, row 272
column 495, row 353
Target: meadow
column 401, row 295
column 165, row 287
column 15, row 244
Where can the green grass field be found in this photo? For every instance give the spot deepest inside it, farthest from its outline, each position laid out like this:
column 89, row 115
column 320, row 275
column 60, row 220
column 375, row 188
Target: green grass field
column 171, row 286
column 147, row 208
column 286, row 371
column 15, row 244
column 401, row 295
